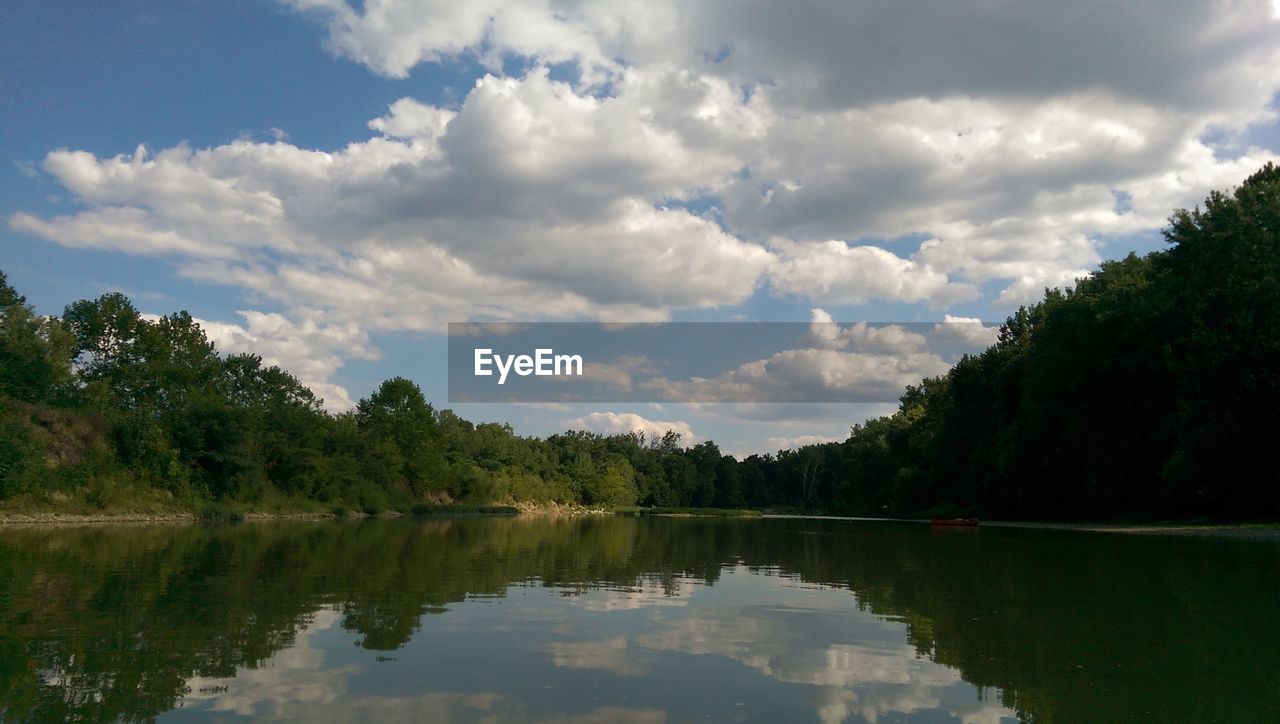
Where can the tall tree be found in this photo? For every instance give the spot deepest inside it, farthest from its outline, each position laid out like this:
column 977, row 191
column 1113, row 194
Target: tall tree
column 399, row 413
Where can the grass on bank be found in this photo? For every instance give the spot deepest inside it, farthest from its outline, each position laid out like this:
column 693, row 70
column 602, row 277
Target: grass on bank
column 108, row 496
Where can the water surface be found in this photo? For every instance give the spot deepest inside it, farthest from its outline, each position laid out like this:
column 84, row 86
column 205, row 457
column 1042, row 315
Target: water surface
column 625, row 619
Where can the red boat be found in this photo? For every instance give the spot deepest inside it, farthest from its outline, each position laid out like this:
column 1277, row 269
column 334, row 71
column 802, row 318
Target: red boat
column 954, row 522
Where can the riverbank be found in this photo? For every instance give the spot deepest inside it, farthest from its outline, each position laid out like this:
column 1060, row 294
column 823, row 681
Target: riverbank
column 11, row 518
column 1262, row 531
column 678, row 512
column 47, row 517
column 42, row 516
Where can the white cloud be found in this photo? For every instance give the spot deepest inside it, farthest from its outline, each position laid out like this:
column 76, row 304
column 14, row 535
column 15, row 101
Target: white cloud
column 117, row 229
column 836, row 273
column 795, row 414
column 809, row 48
column 529, row 199
column 791, row 443
column 967, row 332
column 1007, row 158
column 618, row 372
column 393, row 37
column 812, row 129
column 410, row 119
column 807, row 375
column 824, row 333
column 310, row 349
column 616, row 423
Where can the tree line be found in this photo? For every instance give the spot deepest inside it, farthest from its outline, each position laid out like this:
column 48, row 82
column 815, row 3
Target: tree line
column 1149, row 390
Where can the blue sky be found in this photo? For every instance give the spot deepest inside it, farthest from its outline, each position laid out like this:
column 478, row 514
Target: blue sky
column 329, row 186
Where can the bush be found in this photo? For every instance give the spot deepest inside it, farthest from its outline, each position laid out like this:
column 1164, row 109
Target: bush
column 221, row 513
column 18, row 454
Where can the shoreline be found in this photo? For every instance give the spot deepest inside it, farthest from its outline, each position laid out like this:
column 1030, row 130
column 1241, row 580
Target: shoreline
column 46, row 518
column 1262, row 531
column 15, row 519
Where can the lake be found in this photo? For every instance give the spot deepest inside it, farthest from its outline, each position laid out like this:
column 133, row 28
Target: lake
column 623, row 619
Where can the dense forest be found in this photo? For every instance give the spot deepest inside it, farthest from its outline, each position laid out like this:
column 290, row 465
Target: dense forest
column 1149, row 390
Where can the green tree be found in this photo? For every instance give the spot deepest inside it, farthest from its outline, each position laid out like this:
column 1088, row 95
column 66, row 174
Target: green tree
column 35, row 352
column 398, row 412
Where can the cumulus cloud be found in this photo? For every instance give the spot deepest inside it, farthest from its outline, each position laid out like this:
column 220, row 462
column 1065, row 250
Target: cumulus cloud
column 619, row 372
column 808, row 47
column 530, row 197
column 800, row 416
column 809, row 131
column 791, row 443
column 309, row 348
column 617, row 423
column 967, row 332
column 824, row 333
column 835, row 272
column 807, row 375
column 1061, row 109
column 393, row 37
column 859, row 362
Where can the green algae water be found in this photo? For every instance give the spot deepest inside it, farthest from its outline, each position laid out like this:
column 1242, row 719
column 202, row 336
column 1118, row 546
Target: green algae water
column 634, row 620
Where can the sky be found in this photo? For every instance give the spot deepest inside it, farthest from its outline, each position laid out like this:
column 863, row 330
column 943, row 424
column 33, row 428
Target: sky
column 329, row 184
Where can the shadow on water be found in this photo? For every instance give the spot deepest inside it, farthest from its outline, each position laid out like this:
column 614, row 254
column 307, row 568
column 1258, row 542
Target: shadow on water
column 128, row 623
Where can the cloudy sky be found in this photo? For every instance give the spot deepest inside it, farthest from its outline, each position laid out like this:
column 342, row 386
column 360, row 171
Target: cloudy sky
column 329, row 183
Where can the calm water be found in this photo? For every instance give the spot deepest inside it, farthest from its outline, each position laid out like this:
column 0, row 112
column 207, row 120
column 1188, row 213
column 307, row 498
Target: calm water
column 645, row 620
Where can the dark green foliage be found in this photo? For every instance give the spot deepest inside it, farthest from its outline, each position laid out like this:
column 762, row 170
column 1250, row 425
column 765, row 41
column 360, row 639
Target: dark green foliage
column 35, row 353
column 19, row 454
column 402, row 424
column 1149, row 391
